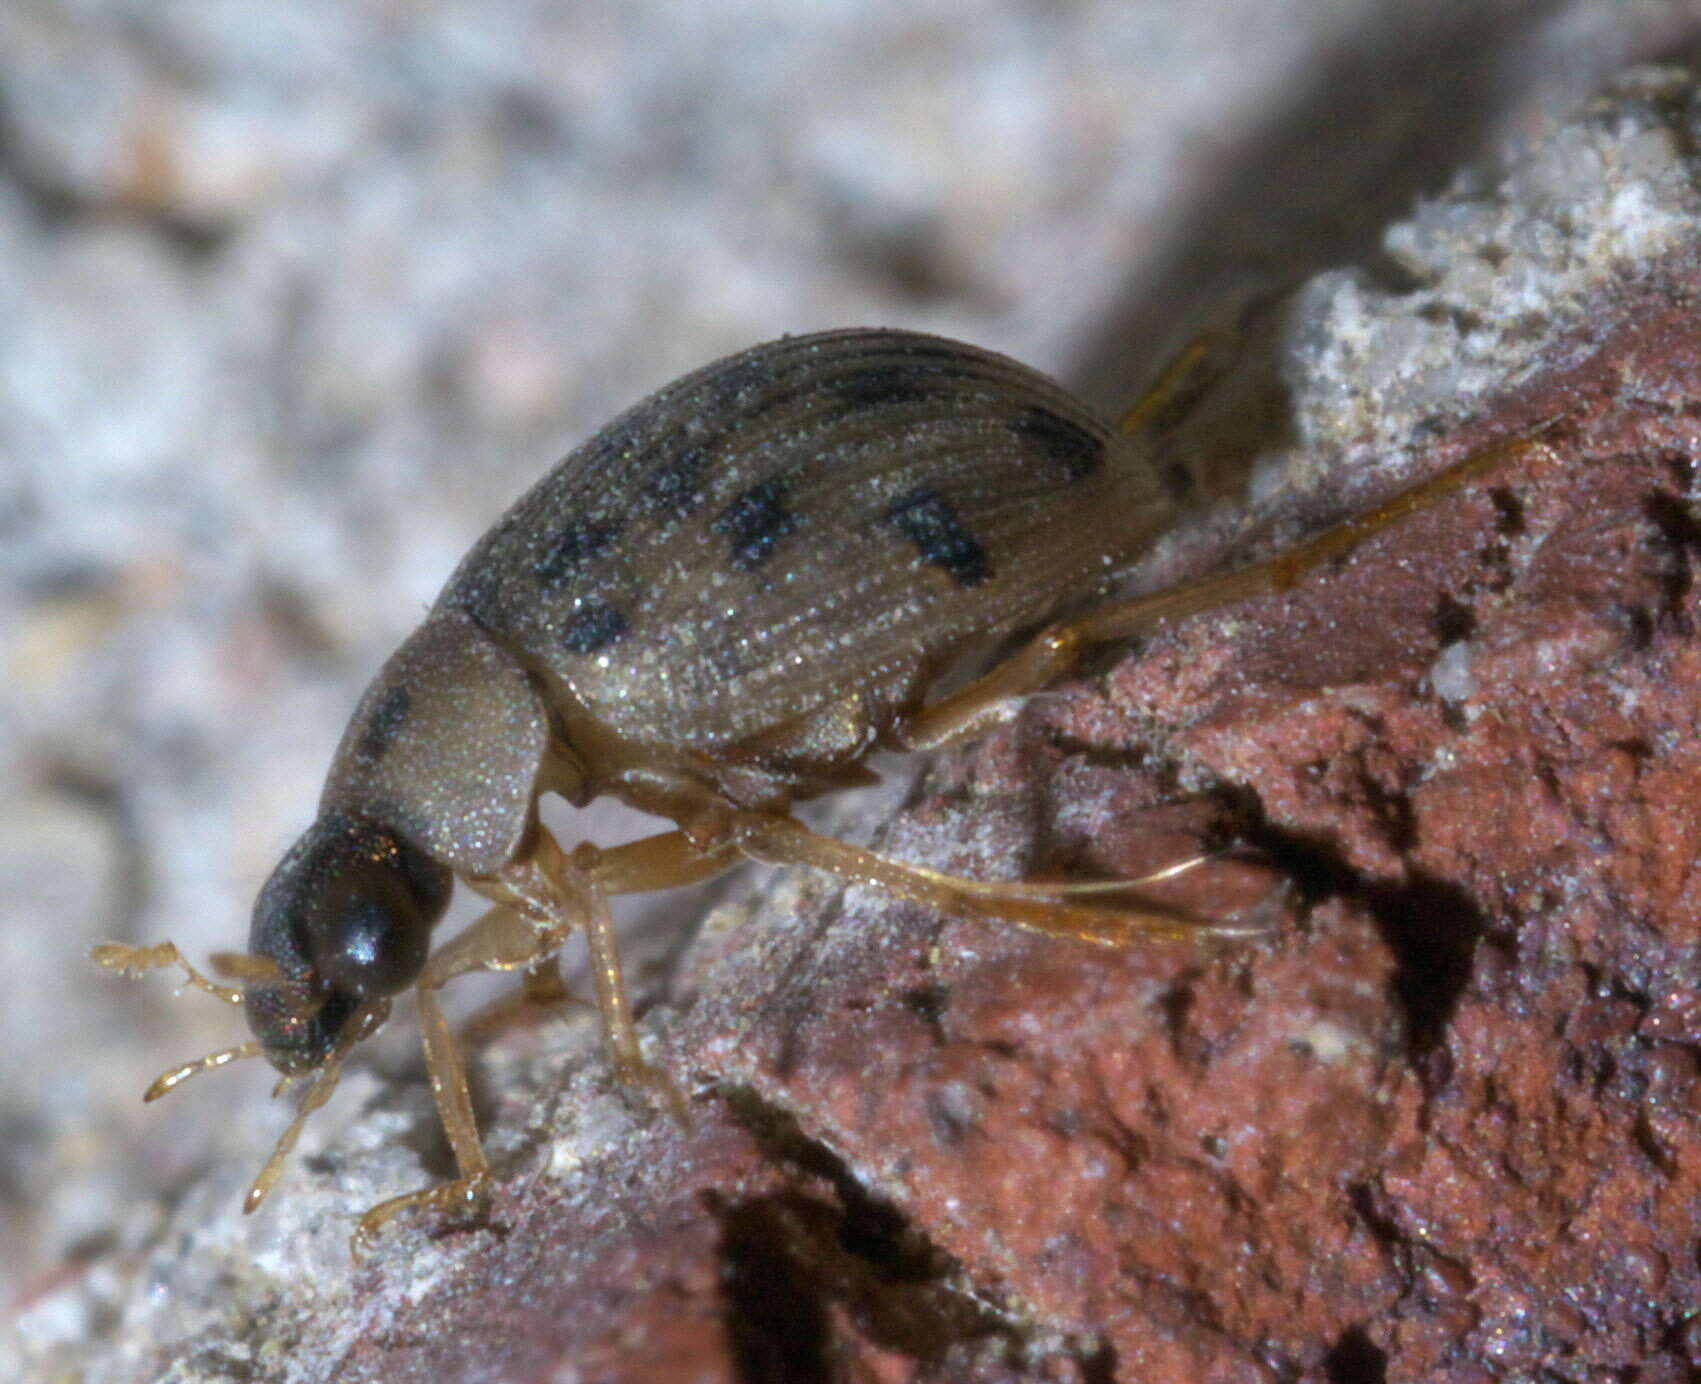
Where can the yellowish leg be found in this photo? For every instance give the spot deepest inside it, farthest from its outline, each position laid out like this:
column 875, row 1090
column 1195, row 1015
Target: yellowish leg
column 551, row 894
column 666, row 860
column 996, row 696
column 583, row 883
column 1039, row 907
column 500, row 939
column 361, row 1024
column 630, row 1068
column 1169, row 381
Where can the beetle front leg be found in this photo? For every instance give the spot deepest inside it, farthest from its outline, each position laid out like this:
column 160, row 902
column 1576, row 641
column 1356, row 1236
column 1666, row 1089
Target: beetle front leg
column 501, row 939
column 552, row 893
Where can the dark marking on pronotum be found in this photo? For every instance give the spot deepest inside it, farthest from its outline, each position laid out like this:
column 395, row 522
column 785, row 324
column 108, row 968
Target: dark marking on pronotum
column 593, row 629
column 755, row 521
column 926, row 518
column 384, row 725
column 676, row 486
column 566, row 556
column 904, row 382
column 1066, row 442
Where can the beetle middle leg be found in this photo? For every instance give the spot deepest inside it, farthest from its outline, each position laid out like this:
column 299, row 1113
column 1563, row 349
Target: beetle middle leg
column 589, row 875
column 501, row 939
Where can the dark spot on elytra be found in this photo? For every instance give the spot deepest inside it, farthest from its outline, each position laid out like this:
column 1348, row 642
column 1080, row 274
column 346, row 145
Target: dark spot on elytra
column 755, row 521
column 899, row 382
column 384, row 724
column 676, row 486
column 926, row 518
column 1062, row 440
column 565, row 558
column 596, row 625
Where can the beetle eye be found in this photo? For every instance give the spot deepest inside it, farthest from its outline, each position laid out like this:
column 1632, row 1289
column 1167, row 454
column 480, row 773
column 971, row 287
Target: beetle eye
column 377, row 948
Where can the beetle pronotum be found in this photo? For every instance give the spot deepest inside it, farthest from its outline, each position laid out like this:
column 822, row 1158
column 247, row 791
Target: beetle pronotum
column 713, row 609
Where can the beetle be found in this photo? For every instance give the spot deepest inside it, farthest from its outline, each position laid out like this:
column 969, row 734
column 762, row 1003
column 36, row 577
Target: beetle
column 713, row 609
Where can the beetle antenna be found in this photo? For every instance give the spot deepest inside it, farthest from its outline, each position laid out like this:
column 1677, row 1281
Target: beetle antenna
column 361, row 1024
column 170, row 1081
column 133, row 961
column 248, row 969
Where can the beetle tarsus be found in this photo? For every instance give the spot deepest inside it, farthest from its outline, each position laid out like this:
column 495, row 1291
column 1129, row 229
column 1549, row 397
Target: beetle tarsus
column 465, row 1197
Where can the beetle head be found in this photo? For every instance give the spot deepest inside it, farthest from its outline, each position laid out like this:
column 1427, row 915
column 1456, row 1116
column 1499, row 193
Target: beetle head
column 345, row 918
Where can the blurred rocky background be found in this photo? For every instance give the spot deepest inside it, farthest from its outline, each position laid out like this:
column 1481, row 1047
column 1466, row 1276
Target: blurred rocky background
column 295, row 297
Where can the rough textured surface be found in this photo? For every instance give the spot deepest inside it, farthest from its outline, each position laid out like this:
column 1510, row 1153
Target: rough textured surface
column 1441, row 1123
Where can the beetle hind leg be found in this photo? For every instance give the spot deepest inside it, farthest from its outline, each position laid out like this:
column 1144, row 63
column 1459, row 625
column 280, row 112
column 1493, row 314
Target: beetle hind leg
column 1055, row 909
column 998, row 694
column 1177, row 375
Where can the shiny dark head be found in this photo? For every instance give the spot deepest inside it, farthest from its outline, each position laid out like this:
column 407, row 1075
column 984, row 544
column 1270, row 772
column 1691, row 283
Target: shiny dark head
column 346, row 917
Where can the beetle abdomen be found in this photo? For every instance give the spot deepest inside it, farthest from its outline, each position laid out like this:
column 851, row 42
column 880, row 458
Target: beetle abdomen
column 817, row 522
